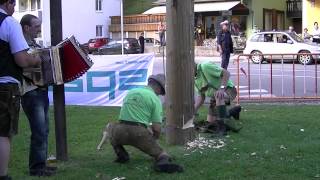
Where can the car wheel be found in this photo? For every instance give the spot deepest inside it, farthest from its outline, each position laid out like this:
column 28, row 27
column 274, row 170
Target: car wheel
column 305, row 59
column 256, row 57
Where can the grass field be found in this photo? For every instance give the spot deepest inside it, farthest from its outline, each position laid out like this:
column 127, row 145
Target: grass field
column 136, row 6
column 277, row 142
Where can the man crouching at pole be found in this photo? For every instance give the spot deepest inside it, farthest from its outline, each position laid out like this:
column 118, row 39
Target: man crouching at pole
column 213, row 81
column 142, row 109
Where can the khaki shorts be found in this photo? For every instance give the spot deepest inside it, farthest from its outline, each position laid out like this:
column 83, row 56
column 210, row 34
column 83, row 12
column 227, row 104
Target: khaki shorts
column 136, row 136
column 230, row 95
column 9, row 109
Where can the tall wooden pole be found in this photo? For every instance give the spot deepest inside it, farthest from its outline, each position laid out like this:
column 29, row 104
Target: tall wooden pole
column 58, row 90
column 180, row 67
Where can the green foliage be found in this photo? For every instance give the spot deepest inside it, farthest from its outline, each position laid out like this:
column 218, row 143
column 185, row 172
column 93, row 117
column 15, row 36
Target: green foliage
column 277, row 142
column 136, row 6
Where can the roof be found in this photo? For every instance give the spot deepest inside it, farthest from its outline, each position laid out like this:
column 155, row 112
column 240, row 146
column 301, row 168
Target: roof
column 199, row 7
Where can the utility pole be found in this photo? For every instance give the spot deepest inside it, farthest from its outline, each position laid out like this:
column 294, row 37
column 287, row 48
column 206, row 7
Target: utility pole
column 58, row 90
column 180, row 70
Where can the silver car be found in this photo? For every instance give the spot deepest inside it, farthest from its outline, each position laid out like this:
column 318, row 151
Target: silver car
column 278, row 44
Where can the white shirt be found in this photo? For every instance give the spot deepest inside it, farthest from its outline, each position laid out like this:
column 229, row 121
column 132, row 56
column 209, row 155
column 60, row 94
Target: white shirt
column 316, row 33
column 11, row 32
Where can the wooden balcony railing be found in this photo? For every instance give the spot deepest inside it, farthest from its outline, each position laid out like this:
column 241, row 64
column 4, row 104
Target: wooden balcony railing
column 134, row 27
column 294, row 8
column 138, row 19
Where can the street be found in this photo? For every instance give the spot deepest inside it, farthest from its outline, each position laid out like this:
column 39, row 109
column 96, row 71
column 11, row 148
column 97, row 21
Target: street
column 285, row 82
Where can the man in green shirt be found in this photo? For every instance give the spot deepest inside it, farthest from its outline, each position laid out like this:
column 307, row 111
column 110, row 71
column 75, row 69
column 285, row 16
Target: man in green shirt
column 140, row 125
column 213, row 81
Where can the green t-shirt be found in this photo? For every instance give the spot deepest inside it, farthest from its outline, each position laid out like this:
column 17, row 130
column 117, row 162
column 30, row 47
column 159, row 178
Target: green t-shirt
column 141, row 105
column 209, row 75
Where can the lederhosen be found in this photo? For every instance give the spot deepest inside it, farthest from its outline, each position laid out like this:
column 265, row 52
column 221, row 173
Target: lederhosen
column 9, row 92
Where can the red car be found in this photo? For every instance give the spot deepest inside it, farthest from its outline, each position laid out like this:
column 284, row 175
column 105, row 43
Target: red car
column 94, row 44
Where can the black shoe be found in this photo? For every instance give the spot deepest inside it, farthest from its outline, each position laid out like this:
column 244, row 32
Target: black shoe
column 168, row 167
column 235, row 112
column 5, row 177
column 42, row 172
column 51, row 168
column 222, row 129
column 121, row 160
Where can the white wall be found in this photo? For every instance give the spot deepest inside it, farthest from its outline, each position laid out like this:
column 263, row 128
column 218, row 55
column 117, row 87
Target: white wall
column 80, row 18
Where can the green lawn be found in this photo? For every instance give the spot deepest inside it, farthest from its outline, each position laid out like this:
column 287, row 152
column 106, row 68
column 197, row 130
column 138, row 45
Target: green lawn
column 136, row 6
column 271, row 146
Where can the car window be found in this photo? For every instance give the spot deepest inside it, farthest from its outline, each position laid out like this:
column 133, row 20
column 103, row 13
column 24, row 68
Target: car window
column 257, row 38
column 268, row 38
column 112, row 42
column 281, row 38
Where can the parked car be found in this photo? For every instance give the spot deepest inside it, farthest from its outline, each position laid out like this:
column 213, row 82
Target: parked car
column 131, row 46
column 151, row 41
column 274, row 42
column 93, row 44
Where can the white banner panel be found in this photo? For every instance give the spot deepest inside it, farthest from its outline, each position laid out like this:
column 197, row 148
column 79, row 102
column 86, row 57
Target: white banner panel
column 109, row 79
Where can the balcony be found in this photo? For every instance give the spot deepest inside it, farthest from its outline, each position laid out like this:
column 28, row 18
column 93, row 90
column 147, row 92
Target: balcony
column 134, row 27
column 138, row 19
column 294, row 8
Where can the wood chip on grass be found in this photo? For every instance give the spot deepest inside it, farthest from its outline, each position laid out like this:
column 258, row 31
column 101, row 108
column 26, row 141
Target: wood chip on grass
column 202, row 143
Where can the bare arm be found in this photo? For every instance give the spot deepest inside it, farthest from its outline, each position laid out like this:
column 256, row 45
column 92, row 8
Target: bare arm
column 23, row 59
column 199, row 101
column 156, row 129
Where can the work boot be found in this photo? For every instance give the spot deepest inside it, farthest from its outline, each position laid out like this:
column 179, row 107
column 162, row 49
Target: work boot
column 232, row 125
column 224, row 121
column 163, row 164
column 221, row 128
column 208, row 127
column 235, row 112
column 122, row 154
column 44, row 172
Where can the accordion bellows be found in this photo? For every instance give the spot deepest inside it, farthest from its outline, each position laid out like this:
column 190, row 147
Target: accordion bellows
column 60, row 64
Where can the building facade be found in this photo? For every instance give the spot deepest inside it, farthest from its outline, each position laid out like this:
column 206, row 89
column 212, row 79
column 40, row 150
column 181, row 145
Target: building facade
column 267, row 15
column 310, row 13
column 85, row 19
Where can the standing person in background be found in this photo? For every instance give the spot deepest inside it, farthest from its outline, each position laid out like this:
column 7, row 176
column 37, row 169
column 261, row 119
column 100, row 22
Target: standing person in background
column 162, row 33
column 306, row 35
column 35, row 104
column 316, row 33
column 291, row 30
column 141, row 41
column 225, row 44
column 13, row 57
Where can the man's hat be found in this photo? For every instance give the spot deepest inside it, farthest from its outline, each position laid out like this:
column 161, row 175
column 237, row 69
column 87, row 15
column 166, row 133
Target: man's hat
column 160, row 79
column 226, row 22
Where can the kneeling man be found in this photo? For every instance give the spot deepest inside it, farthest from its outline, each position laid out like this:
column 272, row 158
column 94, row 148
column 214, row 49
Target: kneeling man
column 213, row 82
column 140, row 125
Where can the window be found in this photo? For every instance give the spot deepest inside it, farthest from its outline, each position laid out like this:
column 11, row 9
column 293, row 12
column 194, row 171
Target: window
column 273, row 19
column 33, row 5
column 23, row 5
column 99, row 30
column 38, row 4
column 257, row 38
column 98, row 5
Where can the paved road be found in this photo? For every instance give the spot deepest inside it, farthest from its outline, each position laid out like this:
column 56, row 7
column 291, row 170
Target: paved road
column 283, row 78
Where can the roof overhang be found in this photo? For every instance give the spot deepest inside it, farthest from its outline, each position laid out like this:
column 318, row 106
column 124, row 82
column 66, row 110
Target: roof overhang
column 208, row 7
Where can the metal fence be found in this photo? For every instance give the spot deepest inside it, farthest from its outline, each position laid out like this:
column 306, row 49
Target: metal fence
column 281, row 80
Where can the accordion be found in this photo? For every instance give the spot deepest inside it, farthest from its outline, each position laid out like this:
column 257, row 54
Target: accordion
column 60, row 64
